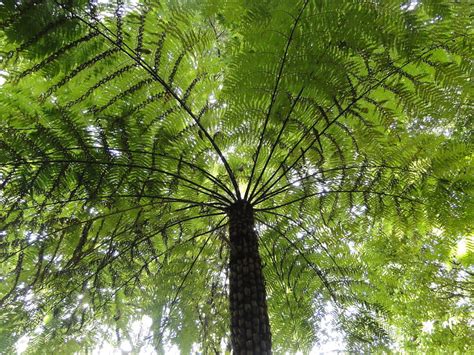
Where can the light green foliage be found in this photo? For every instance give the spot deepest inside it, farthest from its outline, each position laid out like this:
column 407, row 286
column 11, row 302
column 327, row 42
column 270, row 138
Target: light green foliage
column 127, row 128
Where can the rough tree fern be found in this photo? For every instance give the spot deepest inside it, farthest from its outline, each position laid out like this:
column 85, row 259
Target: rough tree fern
column 221, row 167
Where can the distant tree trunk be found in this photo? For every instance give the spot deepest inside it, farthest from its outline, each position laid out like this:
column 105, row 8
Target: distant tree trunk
column 250, row 327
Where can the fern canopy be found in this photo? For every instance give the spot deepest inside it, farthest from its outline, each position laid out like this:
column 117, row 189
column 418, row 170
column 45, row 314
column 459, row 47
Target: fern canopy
column 129, row 128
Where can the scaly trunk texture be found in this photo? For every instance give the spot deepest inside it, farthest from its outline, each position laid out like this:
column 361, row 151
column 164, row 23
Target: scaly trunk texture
column 250, row 327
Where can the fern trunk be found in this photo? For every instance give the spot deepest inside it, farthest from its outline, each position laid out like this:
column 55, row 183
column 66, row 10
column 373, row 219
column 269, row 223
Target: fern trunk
column 250, row 327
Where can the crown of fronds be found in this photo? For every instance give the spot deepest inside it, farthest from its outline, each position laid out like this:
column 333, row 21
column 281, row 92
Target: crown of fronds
column 128, row 130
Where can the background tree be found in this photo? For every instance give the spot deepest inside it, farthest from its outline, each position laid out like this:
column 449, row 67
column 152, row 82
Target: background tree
column 133, row 134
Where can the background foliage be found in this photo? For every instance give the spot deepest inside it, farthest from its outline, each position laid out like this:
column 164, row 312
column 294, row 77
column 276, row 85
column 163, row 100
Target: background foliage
column 128, row 128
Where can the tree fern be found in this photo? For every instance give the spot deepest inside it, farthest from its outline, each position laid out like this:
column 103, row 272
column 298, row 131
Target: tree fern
column 158, row 160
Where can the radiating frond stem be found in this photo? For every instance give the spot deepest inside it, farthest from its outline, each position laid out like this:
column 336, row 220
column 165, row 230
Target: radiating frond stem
column 271, row 255
column 339, row 191
column 143, row 238
column 127, row 248
column 92, row 219
column 131, row 53
column 56, row 55
column 379, row 82
column 300, row 225
column 211, row 177
column 277, row 140
column 274, row 94
column 169, row 225
column 288, row 186
column 313, row 267
column 280, row 275
column 193, row 205
column 196, row 187
column 170, row 249
column 103, row 216
column 107, row 197
column 181, row 285
column 17, row 270
column 374, row 86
